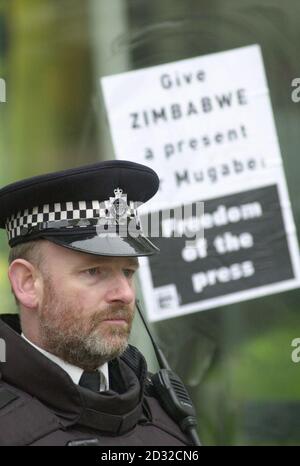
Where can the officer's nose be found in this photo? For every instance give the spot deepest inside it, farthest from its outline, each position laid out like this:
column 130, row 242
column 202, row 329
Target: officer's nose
column 120, row 289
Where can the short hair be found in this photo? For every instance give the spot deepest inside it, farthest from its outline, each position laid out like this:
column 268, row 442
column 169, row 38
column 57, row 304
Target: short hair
column 29, row 251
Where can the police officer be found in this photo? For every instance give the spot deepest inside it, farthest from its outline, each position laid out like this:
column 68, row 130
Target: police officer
column 70, row 376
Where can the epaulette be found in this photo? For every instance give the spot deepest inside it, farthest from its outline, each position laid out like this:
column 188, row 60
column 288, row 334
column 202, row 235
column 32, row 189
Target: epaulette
column 136, row 361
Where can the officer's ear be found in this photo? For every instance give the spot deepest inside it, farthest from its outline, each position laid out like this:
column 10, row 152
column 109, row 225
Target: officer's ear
column 25, row 282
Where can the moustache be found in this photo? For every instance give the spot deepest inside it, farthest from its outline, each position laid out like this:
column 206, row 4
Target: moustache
column 113, row 313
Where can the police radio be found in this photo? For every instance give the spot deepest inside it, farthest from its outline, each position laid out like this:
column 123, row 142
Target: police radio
column 172, row 392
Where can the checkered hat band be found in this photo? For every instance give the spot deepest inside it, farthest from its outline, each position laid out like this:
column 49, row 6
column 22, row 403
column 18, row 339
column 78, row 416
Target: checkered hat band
column 60, row 211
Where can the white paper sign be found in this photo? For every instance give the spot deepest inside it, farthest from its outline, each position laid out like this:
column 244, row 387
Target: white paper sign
column 206, row 126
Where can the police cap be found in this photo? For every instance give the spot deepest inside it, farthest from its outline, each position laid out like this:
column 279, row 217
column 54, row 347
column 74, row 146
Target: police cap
column 92, row 208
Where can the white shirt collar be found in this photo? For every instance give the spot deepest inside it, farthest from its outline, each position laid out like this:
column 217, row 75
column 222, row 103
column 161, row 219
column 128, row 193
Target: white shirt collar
column 73, row 371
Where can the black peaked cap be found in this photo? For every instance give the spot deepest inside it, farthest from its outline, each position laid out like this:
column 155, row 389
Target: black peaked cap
column 45, row 207
column 96, row 181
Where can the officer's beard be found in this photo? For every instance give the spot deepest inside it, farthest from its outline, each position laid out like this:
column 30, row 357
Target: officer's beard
column 84, row 341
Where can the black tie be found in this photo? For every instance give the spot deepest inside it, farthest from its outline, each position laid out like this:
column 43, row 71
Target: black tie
column 90, row 380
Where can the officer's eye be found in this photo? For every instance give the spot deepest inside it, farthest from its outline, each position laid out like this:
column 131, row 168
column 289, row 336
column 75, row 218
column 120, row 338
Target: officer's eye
column 129, row 273
column 93, row 271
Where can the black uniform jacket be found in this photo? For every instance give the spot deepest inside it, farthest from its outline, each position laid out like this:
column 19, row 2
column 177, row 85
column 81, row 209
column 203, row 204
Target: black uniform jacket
column 40, row 404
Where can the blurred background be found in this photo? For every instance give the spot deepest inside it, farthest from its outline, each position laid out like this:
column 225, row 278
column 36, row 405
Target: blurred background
column 235, row 360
